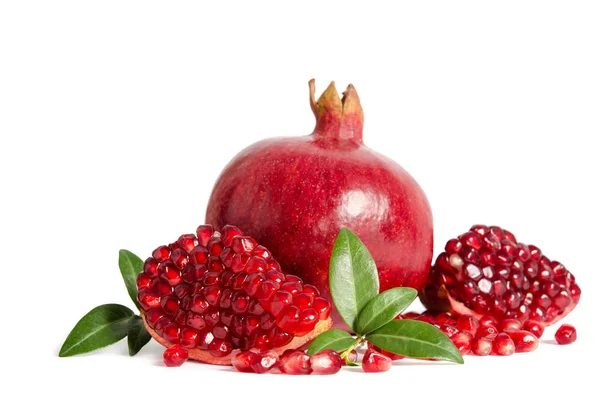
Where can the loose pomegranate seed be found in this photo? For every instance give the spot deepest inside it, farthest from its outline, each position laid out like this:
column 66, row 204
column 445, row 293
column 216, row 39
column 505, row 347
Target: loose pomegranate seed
column 462, row 341
column 266, row 361
column 566, row 334
column 352, row 356
column 375, row 362
column 481, row 346
column 524, row 341
column 175, row 356
column 534, row 327
column 326, row 362
column 295, row 362
column 244, row 361
column 503, row 345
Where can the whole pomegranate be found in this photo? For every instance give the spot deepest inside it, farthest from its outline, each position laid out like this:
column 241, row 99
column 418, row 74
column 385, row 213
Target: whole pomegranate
column 295, row 194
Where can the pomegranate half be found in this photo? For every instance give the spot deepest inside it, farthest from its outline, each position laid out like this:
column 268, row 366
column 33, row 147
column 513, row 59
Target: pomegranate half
column 294, row 194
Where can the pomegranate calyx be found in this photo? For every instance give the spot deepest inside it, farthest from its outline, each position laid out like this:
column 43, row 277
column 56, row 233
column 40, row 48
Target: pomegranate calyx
column 339, row 118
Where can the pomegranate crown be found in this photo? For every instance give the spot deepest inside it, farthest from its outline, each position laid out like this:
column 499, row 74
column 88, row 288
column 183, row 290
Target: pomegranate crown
column 340, row 118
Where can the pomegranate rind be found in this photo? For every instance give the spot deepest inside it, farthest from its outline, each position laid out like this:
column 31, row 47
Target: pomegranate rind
column 205, row 357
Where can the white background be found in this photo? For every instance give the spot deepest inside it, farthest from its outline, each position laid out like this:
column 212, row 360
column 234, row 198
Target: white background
column 116, row 117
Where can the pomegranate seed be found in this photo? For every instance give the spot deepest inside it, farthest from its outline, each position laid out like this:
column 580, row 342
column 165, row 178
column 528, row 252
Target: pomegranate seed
column 244, row 361
column 148, row 299
column 566, row 334
column 524, row 341
column 510, row 325
column 375, row 362
column 266, row 361
column 534, row 327
column 323, row 307
column 289, row 319
column 463, row 341
column 352, row 356
column 468, row 323
column 503, row 345
column 326, row 362
column 481, row 346
column 243, row 244
column 295, row 362
column 228, row 233
column 175, row 356
column 489, row 331
column 219, row 347
column 161, row 254
column 487, row 321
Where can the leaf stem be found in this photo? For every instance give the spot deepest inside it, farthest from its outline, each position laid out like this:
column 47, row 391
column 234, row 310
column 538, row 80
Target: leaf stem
column 359, row 341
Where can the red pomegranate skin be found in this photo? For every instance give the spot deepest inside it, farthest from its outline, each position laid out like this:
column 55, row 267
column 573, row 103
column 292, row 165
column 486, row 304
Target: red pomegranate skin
column 295, row 194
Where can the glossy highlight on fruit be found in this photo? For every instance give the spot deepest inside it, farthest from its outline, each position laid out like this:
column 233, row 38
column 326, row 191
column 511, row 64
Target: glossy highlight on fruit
column 326, row 362
column 294, row 194
column 218, row 293
column 487, row 272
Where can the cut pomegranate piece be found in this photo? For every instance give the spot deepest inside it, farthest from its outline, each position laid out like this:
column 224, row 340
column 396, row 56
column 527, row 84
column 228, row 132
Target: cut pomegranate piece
column 566, row 334
column 376, row 362
column 220, row 293
column 487, row 272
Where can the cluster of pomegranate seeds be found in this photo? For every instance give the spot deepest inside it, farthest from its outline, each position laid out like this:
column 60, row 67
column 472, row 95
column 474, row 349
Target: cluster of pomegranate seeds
column 257, row 362
column 175, row 356
column 221, row 291
column 489, row 272
column 566, row 334
column 485, row 336
column 291, row 362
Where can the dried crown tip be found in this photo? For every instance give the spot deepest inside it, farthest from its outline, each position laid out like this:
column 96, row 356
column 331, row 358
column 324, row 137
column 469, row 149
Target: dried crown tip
column 330, row 99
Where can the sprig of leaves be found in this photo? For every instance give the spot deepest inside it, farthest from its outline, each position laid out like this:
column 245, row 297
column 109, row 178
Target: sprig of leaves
column 354, row 285
column 108, row 324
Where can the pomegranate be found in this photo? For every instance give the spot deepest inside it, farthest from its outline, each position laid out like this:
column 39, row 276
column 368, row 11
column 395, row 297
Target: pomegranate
column 486, row 271
column 218, row 293
column 295, row 194
column 566, row 334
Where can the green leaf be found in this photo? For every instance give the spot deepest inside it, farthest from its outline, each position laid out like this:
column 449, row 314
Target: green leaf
column 413, row 338
column 335, row 339
column 384, row 308
column 102, row 326
column 353, row 278
column 131, row 265
column 137, row 336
